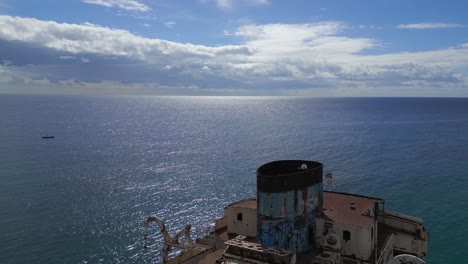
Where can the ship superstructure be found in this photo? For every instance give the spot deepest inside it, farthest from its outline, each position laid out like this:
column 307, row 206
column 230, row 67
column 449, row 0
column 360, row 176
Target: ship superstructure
column 292, row 220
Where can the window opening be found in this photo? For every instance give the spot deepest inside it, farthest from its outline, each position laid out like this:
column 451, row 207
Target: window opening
column 239, row 216
column 346, row 235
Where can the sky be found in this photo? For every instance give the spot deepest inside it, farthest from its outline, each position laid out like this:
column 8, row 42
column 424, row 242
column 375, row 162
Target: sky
column 316, row 48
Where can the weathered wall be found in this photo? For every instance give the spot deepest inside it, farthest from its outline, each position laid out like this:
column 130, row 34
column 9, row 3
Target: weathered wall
column 360, row 244
column 288, row 200
column 247, row 226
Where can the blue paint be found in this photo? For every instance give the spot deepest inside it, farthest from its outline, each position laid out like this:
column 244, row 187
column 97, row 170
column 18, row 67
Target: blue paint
column 289, row 204
column 265, row 204
column 289, row 228
column 277, row 202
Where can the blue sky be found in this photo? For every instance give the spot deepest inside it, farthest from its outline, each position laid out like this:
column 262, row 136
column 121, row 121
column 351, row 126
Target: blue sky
column 234, row 47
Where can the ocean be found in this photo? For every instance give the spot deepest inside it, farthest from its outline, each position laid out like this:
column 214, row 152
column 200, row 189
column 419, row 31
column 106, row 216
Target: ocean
column 82, row 197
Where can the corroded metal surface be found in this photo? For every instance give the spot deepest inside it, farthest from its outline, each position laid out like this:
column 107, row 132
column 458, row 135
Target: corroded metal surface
column 288, row 175
column 289, row 197
column 240, row 251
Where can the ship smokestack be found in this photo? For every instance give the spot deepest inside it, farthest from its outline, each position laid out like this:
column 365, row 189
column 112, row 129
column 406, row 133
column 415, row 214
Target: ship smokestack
column 289, row 197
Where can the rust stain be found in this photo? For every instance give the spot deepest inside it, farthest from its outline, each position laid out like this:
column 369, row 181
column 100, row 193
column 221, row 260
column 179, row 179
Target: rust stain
column 304, row 199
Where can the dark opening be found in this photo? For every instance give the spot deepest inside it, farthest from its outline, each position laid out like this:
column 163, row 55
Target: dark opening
column 287, row 175
column 239, row 216
column 310, row 235
column 346, row 235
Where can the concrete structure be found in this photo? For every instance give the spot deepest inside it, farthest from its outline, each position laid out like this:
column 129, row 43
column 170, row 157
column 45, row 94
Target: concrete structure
column 353, row 221
column 289, row 198
column 293, row 221
column 409, row 234
column 242, row 218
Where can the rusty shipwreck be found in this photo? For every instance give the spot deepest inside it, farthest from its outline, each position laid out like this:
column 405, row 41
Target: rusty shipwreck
column 292, row 220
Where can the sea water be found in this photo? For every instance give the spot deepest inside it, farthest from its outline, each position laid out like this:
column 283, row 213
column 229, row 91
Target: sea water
column 82, row 197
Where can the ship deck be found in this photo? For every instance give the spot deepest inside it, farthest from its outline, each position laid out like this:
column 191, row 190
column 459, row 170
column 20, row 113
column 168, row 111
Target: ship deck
column 343, row 208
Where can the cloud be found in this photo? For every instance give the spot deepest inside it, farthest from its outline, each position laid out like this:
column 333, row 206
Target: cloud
column 67, row 57
column 39, row 48
column 278, row 58
column 130, row 5
column 309, row 42
column 366, row 27
column 89, row 38
column 229, row 4
column 170, row 24
column 429, row 26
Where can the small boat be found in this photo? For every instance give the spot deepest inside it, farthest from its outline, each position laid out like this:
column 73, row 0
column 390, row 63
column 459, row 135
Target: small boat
column 47, row 137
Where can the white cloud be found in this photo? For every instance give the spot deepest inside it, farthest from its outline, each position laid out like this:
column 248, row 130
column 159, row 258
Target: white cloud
column 313, row 42
column 225, row 4
column 131, row 5
column 429, row 26
column 94, row 39
column 280, row 57
column 67, row 57
column 367, row 27
column 229, row 4
column 170, row 24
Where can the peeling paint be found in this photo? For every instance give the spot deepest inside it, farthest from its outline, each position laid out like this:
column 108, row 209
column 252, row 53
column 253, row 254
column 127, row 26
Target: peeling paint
column 286, row 213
